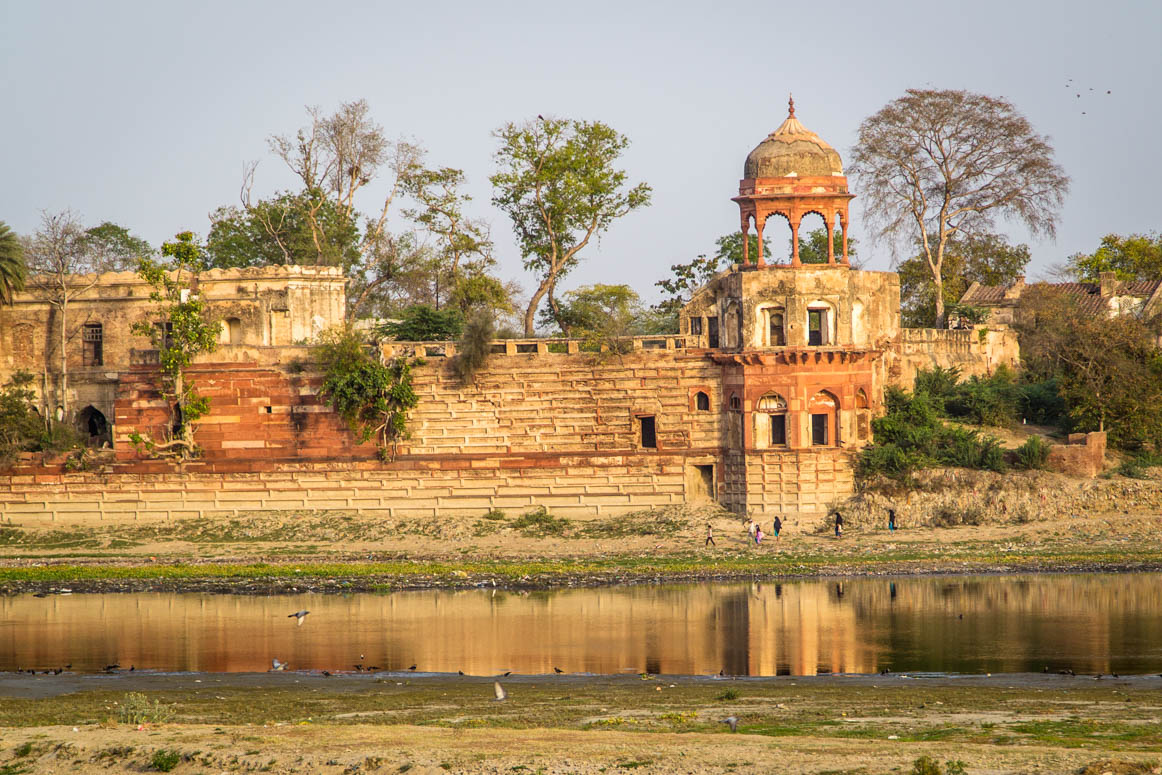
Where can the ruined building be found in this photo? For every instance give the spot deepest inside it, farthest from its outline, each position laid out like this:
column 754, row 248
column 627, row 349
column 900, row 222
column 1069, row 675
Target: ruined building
column 759, row 403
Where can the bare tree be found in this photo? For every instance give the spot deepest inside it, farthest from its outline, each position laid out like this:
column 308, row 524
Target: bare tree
column 62, row 266
column 935, row 164
column 335, row 156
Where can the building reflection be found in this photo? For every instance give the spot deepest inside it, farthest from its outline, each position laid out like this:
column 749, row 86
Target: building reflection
column 995, row 624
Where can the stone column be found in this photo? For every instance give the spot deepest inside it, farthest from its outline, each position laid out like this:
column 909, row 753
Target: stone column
column 830, row 242
column 795, row 240
column 746, row 239
column 760, row 226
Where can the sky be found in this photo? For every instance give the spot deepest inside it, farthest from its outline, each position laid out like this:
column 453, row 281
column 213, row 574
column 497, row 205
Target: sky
column 146, row 113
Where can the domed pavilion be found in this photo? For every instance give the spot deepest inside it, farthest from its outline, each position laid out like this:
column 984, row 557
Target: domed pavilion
column 793, row 173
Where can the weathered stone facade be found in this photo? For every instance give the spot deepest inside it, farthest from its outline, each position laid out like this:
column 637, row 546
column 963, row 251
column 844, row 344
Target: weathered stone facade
column 759, row 403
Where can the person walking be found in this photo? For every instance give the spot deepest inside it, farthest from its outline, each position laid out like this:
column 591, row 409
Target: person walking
column 891, row 519
column 750, row 526
column 758, row 535
column 776, row 527
column 838, row 524
column 709, row 536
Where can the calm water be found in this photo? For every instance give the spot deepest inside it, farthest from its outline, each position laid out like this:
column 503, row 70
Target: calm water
column 1091, row 623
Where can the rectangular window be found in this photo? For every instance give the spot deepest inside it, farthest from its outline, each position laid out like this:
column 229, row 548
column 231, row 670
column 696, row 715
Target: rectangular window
column 649, row 432
column 712, row 331
column 778, row 430
column 819, row 430
column 778, row 339
column 163, row 335
column 695, row 326
column 815, row 327
column 93, row 353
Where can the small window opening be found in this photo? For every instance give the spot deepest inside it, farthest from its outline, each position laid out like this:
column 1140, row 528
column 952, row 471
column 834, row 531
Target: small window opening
column 815, row 322
column 712, row 332
column 695, row 326
column 735, row 403
column 778, row 430
column 93, row 353
column 819, row 430
column 233, row 331
column 649, row 432
column 269, row 409
column 701, row 402
column 776, row 336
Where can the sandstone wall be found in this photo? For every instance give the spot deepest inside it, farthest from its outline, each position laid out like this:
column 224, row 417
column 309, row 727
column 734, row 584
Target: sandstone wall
column 977, row 351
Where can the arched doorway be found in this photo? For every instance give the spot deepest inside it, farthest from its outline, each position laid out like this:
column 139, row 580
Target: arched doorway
column 93, row 425
column 824, row 410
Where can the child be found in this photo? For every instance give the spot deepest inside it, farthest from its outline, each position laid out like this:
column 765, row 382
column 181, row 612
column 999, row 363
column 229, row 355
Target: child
column 709, row 536
column 758, row 535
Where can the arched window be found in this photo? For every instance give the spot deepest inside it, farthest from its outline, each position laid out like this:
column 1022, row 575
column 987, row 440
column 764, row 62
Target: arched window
column 735, row 404
column 771, row 421
column 862, row 416
column 824, row 410
column 702, row 401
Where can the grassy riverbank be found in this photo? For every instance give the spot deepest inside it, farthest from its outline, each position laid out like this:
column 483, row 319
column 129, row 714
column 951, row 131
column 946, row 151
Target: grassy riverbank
column 309, row 723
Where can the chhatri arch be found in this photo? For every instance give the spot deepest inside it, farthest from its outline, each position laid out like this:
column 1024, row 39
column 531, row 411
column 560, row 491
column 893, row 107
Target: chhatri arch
column 794, row 173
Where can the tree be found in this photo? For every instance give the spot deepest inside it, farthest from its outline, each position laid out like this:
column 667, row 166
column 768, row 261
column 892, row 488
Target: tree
column 335, row 157
column 114, row 248
column 183, row 332
column 13, row 273
column 986, row 259
column 63, row 266
column 939, row 164
column 1108, row 370
column 687, row 278
column 423, row 323
column 278, row 231
column 813, row 246
column 1136, row 257
column 605, row 316
column 20, row 427
column 557, row 182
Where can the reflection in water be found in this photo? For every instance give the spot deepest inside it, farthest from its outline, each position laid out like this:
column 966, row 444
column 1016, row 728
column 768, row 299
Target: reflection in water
column 1091, row 623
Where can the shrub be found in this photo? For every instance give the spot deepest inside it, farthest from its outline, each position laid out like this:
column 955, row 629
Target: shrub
column 539, row 523
column 1032, row 454
column 423, row 323
column 729, row 694
column 164, row 759
column 474, row 347
column 137, row 709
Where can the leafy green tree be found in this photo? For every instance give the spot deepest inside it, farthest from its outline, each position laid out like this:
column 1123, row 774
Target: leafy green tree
column 373, row 398
column 557, row 181
column 935, row 165
column 602, row 315
column 183, row 331
column 13, row 273
column 987, row 259
column 115, row 248
column 20, row 427
column 1108, row 370
column 687, row 278
column 422, row 323
column 279, row 231
column 1136, row 257
column 813, row 246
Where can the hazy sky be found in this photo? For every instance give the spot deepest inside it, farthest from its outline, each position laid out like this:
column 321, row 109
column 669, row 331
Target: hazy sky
column 144, row 113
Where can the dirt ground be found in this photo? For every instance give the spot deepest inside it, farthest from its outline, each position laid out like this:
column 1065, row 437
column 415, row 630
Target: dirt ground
column 869, row 725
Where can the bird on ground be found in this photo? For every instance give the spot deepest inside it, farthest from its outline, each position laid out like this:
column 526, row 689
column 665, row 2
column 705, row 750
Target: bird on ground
column 326, row 674
column 132, row 668
column 461, row 672
column 359, row 668
column 276, row 666
column 372, row 668
column 557, row 670
column 300, row 615
column 732, row 722
column 499, row 691
column 412, row 668
column 506, row 673
column 111, row 668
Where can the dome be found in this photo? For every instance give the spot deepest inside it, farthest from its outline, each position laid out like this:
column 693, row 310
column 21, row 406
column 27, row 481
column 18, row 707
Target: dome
column 792, row 149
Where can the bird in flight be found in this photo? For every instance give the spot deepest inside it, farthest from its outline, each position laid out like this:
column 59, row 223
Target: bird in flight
column 498, row 690
column 732, row 722
column 276, row 666
column 300, row 615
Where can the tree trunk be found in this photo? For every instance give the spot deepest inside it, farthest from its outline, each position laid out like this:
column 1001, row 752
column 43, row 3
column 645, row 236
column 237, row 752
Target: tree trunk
column 938, row 281
column 64, row 383
column 556, row 309
column 535, row 302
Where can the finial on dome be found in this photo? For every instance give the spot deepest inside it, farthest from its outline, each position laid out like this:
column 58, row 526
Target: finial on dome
column 790, row 106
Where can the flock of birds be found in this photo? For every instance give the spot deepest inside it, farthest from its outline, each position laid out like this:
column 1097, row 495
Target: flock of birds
column 1070, row 85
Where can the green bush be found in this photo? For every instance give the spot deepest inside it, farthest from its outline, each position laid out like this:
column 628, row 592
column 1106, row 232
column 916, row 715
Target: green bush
column 137, row 709
column 1032, row 454
column 423, row 323
column 539, row 523
column 164, row 759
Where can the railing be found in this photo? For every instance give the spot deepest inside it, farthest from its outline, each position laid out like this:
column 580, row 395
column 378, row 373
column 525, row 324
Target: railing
column 144, row 357
column 556, row 346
